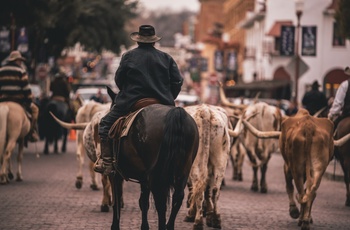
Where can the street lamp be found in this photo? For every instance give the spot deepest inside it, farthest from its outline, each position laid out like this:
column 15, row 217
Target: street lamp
column 299, row 6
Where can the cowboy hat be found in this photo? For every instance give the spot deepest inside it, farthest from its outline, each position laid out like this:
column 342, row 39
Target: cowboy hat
column 146, row 34
column 16, row 55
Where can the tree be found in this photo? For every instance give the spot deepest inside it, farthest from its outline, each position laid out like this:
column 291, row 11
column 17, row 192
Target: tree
column 342, row 17
column 54, row 25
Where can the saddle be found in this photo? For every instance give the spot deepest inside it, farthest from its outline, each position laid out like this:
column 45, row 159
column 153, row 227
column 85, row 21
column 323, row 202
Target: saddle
column 121, row 126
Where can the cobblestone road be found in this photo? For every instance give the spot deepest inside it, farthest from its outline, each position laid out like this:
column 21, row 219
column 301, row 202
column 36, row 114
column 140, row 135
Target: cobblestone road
column 47, row 199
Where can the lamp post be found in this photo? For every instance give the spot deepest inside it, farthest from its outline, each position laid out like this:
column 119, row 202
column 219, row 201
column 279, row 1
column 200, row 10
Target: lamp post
column 299, row 5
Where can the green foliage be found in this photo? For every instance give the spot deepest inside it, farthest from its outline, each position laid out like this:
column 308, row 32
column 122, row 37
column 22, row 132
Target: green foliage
column 58, row 24
column 342, row 16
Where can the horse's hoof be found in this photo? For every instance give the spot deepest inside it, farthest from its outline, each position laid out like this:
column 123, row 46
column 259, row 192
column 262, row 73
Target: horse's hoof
column 254, row 188
column 78, row 183
column 347, row 202
column 294, row 212
column 198, row 226
column 216, row 222
column 19, row 179
column 263, row 190
column 189, row 219
column 104, row 208
column 94, row 187
column 10, row 176
column 305, row 225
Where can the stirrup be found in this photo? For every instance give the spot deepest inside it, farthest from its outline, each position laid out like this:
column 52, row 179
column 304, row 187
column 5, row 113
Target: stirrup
column 103, row 167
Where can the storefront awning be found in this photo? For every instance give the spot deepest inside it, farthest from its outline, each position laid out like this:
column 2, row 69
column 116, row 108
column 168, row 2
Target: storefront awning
column 275, row 31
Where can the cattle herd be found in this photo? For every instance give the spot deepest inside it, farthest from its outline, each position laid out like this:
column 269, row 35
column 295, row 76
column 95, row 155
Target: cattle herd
column 232, row 132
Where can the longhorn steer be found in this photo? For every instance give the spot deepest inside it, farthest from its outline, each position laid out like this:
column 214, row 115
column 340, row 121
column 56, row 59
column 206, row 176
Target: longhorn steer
column 85, row 114
column 306, row 144
column 209, row 167
column 259, row 151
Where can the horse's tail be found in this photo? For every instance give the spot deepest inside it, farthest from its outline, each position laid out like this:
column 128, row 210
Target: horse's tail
column 173, row 145
column 4, row 110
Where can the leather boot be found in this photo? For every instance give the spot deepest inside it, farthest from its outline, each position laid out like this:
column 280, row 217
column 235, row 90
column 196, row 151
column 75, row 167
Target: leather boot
column 33, row 135
column 104, row 164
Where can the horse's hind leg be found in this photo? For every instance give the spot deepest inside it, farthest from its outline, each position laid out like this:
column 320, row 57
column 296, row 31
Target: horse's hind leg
column 178, row 197
column 19, row 161
column 55, row 148
column 144, row 206
column 6, row 161
column 160, row 193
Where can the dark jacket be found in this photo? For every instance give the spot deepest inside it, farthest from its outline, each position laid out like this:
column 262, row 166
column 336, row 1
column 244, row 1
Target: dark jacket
column 14, row 84
column 146, row 72
column 60, row 87
column 314, row 100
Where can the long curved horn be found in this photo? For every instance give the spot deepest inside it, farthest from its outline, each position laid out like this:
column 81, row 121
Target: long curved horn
column 239, row 127
column 67, row 125
column 226, row 102
column 261, row 134
column 342, row 140
column 320, row 111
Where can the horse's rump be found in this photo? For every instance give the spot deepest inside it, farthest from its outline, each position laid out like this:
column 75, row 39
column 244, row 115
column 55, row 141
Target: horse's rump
column 161, row 141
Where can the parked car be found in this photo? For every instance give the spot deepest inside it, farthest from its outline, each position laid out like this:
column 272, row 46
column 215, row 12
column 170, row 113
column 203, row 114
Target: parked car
column 86, row 93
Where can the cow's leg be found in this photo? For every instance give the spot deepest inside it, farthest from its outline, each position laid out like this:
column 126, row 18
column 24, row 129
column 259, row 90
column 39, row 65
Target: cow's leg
column 255, row 186
column 93, row 185
column 46, row 146
column 251, row 154
column 64, row 141
column 106, row 199
column 19, row 160
column 293, row 209
column 144, row 206
column 263, row 169
column 55, row 142
column 80, row 159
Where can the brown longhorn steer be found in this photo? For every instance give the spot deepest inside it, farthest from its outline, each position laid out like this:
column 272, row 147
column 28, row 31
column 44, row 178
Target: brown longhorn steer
column 306, row 144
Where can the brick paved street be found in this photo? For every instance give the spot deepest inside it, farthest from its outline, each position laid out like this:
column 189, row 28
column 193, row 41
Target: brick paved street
column 47, row 199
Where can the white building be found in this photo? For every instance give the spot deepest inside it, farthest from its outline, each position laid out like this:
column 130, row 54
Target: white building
column 325, row 54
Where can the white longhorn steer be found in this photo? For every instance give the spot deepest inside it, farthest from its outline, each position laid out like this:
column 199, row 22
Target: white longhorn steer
column 85, row 114
column 306, row 144
column 209, row 167
column 267, row 118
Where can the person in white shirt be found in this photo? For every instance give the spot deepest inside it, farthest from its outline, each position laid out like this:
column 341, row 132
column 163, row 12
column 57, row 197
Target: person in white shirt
column 341, row 103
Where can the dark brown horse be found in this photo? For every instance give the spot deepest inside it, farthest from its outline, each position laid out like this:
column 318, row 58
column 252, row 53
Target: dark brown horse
column 342, row 154
column 158, row 152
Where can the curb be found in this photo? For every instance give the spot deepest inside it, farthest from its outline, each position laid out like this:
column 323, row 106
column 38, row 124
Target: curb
column 334, row 171
column 334, row 177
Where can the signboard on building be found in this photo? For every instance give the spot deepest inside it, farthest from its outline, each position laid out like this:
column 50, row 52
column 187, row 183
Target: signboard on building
column 287, row 40
column 309, row 38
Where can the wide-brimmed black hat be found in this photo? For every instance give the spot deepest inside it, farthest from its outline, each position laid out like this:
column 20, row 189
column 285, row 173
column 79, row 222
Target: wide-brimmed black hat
column 146, row 34
column 315, row 84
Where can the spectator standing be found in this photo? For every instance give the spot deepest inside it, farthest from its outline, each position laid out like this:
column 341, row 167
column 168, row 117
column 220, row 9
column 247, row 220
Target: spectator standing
column 314, row 100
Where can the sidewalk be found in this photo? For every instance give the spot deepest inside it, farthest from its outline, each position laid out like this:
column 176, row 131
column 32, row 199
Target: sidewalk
column 334, row 171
